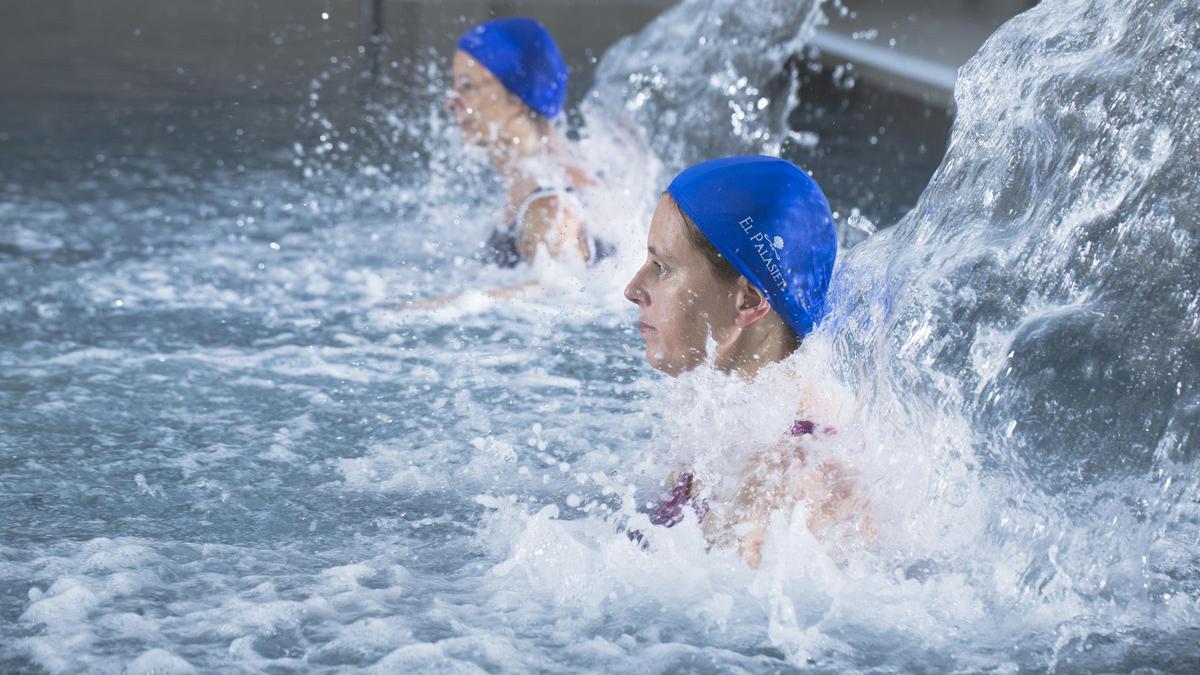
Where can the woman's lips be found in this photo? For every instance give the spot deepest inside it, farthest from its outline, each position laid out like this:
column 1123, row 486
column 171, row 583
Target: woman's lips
column 644, row 328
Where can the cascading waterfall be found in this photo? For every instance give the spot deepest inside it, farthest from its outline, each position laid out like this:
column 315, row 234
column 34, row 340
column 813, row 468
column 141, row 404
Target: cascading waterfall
column 1044, row 290
column 707, row 78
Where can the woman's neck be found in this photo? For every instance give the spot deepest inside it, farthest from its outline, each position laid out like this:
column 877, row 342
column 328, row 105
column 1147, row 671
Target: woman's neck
column 755, row 346
column 511, row 153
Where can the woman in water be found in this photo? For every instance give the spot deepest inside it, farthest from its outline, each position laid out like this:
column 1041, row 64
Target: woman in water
column 509, row 84
column 739, row 256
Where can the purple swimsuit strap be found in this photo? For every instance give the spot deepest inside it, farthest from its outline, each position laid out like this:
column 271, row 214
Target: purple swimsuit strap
column 803, row 427
column 670, row 511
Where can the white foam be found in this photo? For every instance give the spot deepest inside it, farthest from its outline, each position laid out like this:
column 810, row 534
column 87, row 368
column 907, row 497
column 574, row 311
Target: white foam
column 159, row 662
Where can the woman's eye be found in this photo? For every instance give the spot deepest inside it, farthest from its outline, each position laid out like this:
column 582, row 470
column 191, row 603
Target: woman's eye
column 658, row 267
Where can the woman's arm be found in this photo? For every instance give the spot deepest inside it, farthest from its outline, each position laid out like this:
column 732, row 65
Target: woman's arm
column 547, row 223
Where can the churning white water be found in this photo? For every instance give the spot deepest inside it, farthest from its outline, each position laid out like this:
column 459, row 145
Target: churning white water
column 223, row 447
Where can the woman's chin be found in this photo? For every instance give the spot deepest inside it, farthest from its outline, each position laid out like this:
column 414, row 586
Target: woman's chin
column 661, row 362
column 654, row 358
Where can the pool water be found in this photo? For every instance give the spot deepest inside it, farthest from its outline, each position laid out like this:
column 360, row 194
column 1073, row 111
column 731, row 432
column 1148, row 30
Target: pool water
column 224, row 447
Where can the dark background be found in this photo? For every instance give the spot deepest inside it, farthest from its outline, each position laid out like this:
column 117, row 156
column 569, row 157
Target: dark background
column 75, row 69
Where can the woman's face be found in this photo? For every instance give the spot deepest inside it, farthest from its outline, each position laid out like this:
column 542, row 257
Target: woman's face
column 681, row 300
column 480, row 103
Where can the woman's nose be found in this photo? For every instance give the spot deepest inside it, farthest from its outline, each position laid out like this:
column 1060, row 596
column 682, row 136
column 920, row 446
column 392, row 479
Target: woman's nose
column 633, row 290
column 452, row 102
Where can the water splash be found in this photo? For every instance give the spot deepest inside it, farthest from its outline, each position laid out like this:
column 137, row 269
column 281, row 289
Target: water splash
column 707, row 78
column 298, row 477
column 1021, row 350
column 1042, row 292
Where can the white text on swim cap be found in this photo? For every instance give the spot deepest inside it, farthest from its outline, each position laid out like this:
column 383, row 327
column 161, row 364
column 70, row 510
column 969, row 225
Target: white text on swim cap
column 768, row 250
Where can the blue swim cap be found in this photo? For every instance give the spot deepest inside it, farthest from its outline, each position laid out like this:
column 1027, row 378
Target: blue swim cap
column 771, row 222
column 523, row 56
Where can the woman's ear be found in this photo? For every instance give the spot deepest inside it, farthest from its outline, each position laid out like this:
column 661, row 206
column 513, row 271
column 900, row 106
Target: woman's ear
column 752, row 305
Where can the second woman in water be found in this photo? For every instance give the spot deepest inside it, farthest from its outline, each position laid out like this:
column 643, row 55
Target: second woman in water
column 510, row 83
